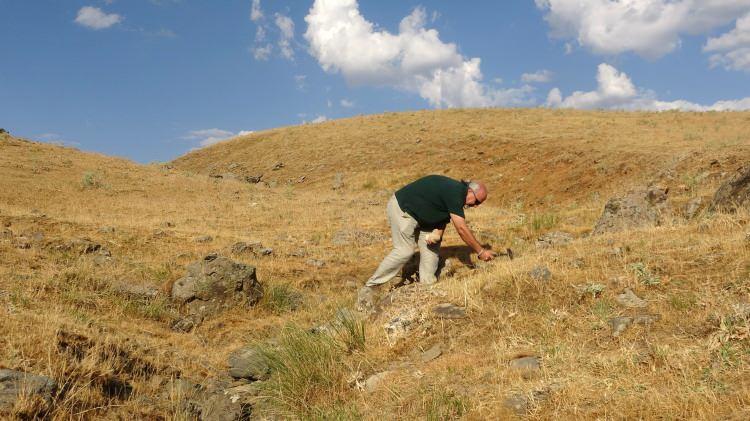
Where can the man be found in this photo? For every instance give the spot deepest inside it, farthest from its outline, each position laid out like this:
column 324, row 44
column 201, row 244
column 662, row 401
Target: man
column 418, row 214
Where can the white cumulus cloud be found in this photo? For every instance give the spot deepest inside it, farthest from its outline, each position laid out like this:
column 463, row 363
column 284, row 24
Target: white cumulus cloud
column 542, row 76
column 732, row 49
column 347, row 103
column 414, row 59
column 208, row 137
column 95, row 18
column 650, row 28
column 615, row 90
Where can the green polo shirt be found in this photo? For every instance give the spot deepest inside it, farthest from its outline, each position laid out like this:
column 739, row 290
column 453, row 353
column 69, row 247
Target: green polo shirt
column 431, row 200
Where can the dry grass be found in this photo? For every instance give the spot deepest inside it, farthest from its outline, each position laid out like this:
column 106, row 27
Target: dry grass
column 114, row 355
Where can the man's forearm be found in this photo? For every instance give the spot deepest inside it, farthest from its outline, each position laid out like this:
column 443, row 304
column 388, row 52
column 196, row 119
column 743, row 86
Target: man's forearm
column 468, row 237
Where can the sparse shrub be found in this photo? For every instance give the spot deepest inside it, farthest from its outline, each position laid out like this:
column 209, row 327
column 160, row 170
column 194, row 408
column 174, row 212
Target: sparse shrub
column 369, row 184
column 349, row 330
column 544, row 221
column 645, row 276
column 91, row 180
column 281, row 298
column 309, row 376
column 443, row 405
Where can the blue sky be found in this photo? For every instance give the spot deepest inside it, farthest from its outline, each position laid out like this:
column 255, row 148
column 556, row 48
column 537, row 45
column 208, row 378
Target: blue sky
column 152, row 79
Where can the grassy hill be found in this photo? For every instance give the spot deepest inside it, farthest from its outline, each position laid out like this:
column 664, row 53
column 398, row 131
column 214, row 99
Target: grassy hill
column 70, row 313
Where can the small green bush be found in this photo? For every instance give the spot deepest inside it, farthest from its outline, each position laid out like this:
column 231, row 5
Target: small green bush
column 644, row 274
column 544, row 221
column 91, row 180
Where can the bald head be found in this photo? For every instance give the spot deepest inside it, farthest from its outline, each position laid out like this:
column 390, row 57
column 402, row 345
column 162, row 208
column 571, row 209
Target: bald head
column 477, row 193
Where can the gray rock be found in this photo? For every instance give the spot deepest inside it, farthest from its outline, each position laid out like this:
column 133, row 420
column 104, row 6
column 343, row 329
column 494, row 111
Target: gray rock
column 315, row 263
column 399, row 326
column 375, row 381
column 432, row 353
column 203, row 239
column 242, row 247
column 214, row 283
column 449, row 311
column 553, row 239
column 619, row 324
column 734, row 193
column 254, row 179
column 277, row 166
column 298, row 253
column 540, row 274
column 15, row 384
column 265, row 251
column 630, row 300
column 635, row 209
column 338, row 181
column 366, row 299
column 357, row 237
column 135, row 291
column 248, row 363
column 694, row 207
column 107, row 230
column 527, row 366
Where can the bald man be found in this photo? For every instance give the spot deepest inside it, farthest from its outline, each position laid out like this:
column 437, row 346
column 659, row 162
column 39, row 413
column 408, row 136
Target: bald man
column 418, row 215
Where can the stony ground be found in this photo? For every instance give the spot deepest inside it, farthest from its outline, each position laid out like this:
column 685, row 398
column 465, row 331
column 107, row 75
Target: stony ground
column 131, row 291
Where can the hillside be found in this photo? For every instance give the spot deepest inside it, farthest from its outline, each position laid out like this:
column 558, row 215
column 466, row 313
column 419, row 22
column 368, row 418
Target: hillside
column 92, row 246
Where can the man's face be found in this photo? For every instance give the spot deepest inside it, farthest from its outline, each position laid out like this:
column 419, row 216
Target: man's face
column 474, row 199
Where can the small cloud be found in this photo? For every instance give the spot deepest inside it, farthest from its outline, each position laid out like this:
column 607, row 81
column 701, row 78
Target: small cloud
column 318, row 119
column 261, row 52
column 542, row 76
column 568, row 48
column 245, row 132
column 346, row 103
column 208, row 137
column 95, row 18
column 329, row 103
column 286, row 27
column 300, row 80
column 498, row 80
column 256, row 13
column 166, row 33
column 435, row 16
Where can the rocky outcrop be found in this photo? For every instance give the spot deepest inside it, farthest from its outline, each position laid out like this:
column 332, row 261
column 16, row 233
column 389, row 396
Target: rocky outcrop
column 635, row 209
column 734, row 193
column 212, row 284
column 14, row 385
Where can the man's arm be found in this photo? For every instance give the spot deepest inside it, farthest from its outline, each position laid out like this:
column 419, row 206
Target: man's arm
column 465, row 233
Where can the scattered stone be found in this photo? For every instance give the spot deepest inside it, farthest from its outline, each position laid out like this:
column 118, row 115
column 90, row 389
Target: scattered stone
column 432, row 353
column 694, row 207
column 553, row 239
column 298, row 253
column 595, row 290
column 635, row 209
column 619, row 324
column 168, row 224
column 242, row 247
column 22, row 243
column 277, row 166
column 400, row 325
column 338, row 181
column 629, row 299
column 203, row 239
column 233, row 166
column 254, row 179
column 540, row 274
column 315, row 263
column 734, row 193
column 6, row 234
column 265, row 251
column 528, row 366
column 248, row 363
column 16, row 384
column 373, row 382
column 135, row 291
column 107, row 230
column 360, row 238
column 159, row 233
column 449, row 311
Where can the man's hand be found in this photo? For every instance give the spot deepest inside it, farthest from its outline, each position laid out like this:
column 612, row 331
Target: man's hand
column 434, row 237
column 486, row 255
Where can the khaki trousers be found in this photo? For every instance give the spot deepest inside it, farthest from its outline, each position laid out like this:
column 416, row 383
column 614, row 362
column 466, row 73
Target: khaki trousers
column 406, row 236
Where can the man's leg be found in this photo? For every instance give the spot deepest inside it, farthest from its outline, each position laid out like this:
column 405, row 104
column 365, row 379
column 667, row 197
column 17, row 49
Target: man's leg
column 429, row 256
column 403, row 233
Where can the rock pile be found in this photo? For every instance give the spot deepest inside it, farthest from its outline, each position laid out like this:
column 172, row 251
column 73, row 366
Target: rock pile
column 635, row 209
column 212, row 284
column 734, row 193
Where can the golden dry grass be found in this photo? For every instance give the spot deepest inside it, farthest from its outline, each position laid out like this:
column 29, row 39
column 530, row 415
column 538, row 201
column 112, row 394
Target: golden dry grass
column 546, row 171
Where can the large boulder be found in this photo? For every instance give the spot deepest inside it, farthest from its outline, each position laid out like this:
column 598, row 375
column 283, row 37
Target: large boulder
column 16, row 384
column 734, row 193
column 214, row 283
column 635, row 209
column 250, row 363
